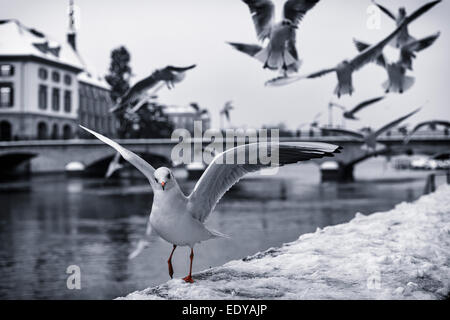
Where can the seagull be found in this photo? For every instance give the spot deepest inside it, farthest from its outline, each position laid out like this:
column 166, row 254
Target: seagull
column 350, row 114
column 179, row 219
column 431, row 123
column 138, row 92
column 345, row 69
column 280, row 53
column 226, row 110
column 403, row 36
column 398, row 81
column 370, row 139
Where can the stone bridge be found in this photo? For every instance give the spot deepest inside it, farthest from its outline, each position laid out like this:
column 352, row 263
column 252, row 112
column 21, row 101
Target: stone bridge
column 54, row 155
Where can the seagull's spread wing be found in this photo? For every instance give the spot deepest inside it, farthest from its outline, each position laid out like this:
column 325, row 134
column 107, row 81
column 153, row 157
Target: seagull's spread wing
column 250, row 49
column 426, row 123
column 220, row 176
column 365, row 104
column 361, row 46
column 385, row 11
column 319, row 73
column 295, row 10
column 140, row 164
column 392, row 124
column 344, row 132
column 169, row 73
column 262, row 12
column 371, row 53
column 418, row 45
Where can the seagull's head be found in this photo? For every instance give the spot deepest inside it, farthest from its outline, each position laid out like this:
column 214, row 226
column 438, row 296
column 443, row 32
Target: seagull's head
column 402, row 12
column 164, row 178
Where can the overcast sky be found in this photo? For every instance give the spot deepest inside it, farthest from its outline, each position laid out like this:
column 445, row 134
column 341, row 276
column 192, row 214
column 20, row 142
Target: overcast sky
column 180, row 32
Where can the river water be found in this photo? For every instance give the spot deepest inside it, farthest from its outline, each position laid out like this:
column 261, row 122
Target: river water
column 49, row 223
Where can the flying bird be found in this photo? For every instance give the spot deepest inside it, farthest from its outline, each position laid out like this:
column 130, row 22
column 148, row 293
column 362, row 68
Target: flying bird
column 345, row 69
column 398, row 81
column 370, row 138
column 138, row 92
column 280, row 52
column 403, row 36
column 350, row 114
column 407, row 51
column 179, row 219
column 431, row 123
column 226, row 110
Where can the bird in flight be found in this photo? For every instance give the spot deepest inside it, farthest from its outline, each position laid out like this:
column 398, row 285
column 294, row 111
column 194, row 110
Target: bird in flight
column 179, row 219
column 280, row 52
column 370, row 139
column 345, row 69
column 350, row 114
column 138, row 92
column 431, row 123
column 397, row 80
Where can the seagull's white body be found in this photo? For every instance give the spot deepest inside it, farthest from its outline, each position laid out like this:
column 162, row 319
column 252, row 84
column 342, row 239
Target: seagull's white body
column 179, row 219
column 175, row 223
column 397, row 81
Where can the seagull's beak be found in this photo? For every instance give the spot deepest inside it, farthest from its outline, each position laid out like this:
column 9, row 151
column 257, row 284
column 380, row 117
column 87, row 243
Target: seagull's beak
column 163, row 183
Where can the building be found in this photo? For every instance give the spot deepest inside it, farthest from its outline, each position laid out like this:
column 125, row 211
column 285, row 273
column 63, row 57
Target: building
column 46, row 90
column 94, row 105
column 38, row 85
column 183, row 117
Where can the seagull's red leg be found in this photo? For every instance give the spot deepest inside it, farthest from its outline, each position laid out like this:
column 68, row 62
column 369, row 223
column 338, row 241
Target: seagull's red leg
column 170, row 262
column 189, row 277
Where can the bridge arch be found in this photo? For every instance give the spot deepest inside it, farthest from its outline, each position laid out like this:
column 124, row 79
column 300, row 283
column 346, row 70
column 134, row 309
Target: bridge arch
column 5, row 131
column 10, row 161
column 100, row 165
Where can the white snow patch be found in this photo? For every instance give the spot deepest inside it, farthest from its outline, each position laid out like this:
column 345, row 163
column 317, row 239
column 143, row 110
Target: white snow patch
column 403, row 253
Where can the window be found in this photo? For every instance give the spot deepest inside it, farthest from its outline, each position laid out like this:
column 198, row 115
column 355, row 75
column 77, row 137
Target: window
column 6, row 95
column 42, row 131
column 67, row 101
column 67, row 79
column 6, row 70
column 55, row 99
column 42, row 97
column 43, row 73
column 56, row 76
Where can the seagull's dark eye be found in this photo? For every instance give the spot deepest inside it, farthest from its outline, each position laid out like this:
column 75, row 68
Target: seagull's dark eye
column 156, row 180
column 168, row 177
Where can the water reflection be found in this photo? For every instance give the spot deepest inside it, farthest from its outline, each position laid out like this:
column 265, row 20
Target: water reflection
column 49, row 223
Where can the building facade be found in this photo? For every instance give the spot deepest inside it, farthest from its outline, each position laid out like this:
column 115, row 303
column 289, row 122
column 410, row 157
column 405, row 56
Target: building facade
column 94, row 104
column 45, row 88
column 183, row 117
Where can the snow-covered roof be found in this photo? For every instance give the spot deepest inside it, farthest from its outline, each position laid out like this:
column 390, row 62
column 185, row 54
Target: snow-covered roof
column 89, row 78
column 18, row 40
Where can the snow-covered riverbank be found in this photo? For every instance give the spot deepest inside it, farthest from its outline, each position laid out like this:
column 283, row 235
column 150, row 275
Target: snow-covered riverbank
column 399, row 254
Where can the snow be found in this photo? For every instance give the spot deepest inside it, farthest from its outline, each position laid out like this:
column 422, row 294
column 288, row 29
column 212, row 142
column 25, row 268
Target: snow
column 403, row 253
column 17, row 39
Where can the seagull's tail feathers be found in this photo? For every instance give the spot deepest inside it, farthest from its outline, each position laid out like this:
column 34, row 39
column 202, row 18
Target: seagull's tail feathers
column 394, row 86
column 345, row 88
column 217, row 234
column 277, row 59
column 408, row 82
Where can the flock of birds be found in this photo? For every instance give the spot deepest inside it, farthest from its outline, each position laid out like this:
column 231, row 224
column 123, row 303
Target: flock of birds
column 178, row 218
